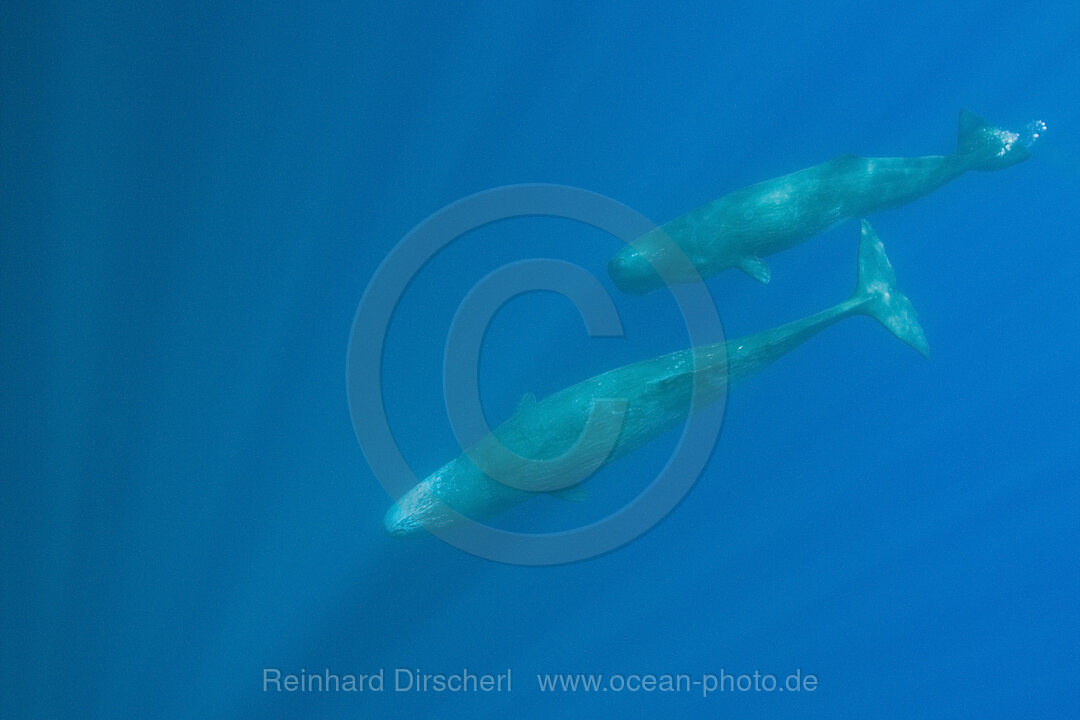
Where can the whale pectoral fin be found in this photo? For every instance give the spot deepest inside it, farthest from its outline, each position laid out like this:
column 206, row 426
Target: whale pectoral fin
column 574, row 493
column 756, row 268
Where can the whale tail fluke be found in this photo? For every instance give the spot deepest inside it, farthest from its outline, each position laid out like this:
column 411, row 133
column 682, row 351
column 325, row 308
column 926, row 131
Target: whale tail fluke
column 985, row 147
column 879, row 296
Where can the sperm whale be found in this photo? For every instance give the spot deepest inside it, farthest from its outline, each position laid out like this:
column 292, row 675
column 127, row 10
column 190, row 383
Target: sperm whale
column 740, row 228
column 653, row 396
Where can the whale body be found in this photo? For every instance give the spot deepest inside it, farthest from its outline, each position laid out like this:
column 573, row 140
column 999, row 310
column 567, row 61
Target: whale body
column 738, row 229
column 656, row 396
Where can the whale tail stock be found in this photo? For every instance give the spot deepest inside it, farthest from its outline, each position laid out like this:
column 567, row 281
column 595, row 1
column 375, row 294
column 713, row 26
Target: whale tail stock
column 878, row 296
column 985, row 147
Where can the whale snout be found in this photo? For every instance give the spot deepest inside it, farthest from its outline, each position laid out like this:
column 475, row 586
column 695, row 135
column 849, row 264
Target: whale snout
column 399, row 523
column 633, row 273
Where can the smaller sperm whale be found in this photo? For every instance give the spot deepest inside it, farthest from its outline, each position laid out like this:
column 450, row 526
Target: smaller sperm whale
column 651, row 396
column 740, row 228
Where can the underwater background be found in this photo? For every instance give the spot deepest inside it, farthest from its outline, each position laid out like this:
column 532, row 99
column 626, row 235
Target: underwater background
column 195, row 195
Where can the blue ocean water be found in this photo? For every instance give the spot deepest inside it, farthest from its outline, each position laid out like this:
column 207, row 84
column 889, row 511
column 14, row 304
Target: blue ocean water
column 194, row 198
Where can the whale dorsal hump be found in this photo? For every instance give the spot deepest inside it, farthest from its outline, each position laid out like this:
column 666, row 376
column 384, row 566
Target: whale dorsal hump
column 672, row 380
column 674, row 390
column 526, row 403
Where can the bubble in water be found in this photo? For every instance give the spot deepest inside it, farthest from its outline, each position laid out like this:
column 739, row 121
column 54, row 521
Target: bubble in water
column 1032, row 132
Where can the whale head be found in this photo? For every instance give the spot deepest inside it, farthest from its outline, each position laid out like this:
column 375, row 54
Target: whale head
column 399, row 523
column 653, row 261
column 632, row 271
column 456, row 493
column 416, row 510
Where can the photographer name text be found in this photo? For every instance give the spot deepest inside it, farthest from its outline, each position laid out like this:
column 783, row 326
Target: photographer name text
column 399, row 679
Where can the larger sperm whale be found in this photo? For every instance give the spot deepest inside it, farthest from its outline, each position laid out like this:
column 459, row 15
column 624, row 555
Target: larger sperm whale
column 740, row 228
column 657, row 396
